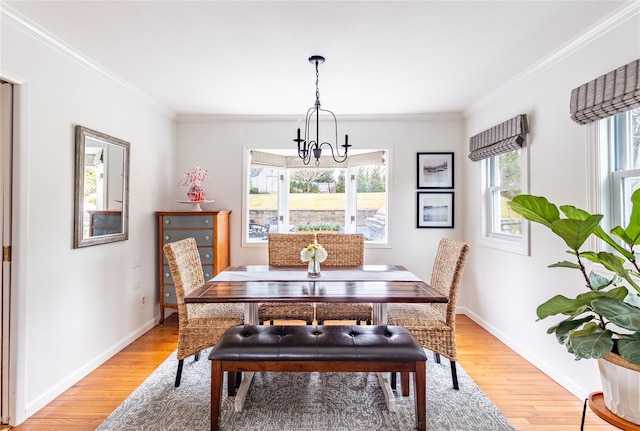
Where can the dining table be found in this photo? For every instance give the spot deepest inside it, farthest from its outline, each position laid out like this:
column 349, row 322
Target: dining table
column 375, row 284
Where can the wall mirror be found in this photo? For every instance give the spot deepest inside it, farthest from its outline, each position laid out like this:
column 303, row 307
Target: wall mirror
column 101, row 189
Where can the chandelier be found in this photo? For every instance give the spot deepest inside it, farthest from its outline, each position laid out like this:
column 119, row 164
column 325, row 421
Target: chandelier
column 309, row 147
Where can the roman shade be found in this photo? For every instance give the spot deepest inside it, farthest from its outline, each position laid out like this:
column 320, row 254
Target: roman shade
column 263, row 158
column 607, row 95
column 500, row 139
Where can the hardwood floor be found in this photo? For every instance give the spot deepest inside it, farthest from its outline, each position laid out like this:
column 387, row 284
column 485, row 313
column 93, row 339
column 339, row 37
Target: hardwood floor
column 527, row 397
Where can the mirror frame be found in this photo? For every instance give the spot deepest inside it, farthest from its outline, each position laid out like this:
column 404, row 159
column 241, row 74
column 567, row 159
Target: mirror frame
column 78, row 237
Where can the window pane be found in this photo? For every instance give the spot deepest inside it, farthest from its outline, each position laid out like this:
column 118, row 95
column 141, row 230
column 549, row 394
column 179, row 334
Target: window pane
column 371, row 202
column 629, row 185
column 507, row 169
column 263, row 203
column 505, row 221
column 316, row 200
column 634, row 130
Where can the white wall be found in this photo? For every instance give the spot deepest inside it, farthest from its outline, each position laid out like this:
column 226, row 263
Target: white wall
column 75, row 308
column 217, row 144
column 502, row 290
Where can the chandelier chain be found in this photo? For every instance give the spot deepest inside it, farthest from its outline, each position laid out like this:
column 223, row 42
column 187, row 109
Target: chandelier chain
column 317, row 81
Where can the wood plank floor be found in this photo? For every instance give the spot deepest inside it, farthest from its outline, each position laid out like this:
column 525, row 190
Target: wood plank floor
column 527, row 397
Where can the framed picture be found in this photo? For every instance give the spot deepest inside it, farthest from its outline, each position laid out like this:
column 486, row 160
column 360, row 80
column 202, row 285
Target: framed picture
column 435, row 210
column 435, row 170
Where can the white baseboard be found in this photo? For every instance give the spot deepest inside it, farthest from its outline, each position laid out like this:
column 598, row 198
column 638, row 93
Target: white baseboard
column 532, row 357
column 79, row 374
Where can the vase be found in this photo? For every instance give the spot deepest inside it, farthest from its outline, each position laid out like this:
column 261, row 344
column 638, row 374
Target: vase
column 314, row 269
column 196, row 193
column 621, row 387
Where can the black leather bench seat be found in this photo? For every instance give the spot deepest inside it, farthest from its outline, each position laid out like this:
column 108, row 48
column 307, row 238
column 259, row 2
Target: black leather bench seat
column 317, row 343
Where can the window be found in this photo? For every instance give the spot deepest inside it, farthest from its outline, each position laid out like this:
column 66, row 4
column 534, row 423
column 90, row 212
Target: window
column 504, row 178
column 622, row 136
column 285, row 196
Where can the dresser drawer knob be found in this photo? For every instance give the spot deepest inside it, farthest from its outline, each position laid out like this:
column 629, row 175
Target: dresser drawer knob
column 166, row 237
column 167, row 221
column 206, row 275
column 207, row 237
column 167, row 295
column 166, row 274
column 207, row 221
column 207, row 256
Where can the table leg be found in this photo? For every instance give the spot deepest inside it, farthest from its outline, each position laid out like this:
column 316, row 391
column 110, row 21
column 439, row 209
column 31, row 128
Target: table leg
column 380, row 318
column 380, row 314
column 250, row 318
column 241, row 395
column 251, row 313
column 385, row 385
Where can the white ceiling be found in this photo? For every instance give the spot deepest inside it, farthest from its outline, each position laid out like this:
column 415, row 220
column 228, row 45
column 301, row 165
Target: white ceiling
column 250, row 58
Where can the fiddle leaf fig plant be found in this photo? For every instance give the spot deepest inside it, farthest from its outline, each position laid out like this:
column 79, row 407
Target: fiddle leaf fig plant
column 605, row 318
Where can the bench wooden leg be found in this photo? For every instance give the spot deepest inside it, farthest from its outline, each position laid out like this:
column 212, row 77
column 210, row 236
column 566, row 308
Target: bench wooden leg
column 231, row 383
column 216, row 393
column 404, row 382
column 420, row 395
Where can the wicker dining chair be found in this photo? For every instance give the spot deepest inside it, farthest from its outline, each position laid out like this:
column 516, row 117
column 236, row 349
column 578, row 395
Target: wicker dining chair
column 199, row 325
column 434, row 325
column 343, row 250
column 284, row 250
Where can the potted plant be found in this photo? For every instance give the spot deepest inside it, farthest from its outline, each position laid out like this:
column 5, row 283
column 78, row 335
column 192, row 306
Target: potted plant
column 603, row 322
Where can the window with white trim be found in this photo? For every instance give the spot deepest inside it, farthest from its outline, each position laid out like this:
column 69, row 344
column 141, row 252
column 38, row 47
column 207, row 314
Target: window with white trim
column 285, row 196
column 621, row 134
column 504, row 178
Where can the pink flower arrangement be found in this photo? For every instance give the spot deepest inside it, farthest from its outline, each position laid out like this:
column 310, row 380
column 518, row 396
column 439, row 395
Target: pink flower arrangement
column 194, row 177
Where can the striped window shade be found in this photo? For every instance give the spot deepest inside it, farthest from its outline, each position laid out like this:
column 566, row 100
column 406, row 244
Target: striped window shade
column 264, row 158
column 607, row 95
column 500, row 139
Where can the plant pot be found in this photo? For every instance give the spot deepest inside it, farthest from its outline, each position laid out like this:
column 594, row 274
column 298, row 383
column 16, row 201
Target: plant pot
column 621, row 386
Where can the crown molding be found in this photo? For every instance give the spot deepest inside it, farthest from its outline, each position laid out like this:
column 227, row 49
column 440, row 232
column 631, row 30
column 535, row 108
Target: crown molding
column 212, row 118
column 612, row 21
column 10, row 16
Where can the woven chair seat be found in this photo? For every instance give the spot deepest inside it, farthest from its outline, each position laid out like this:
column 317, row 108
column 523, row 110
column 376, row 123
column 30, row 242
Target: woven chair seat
column 427, row 324
column 418, row 315
column 216, row 311
column 202, row 333
column 270, row 311
column 349, row 311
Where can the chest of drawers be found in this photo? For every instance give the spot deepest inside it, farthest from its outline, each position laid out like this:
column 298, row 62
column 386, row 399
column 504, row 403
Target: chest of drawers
column 211, row 232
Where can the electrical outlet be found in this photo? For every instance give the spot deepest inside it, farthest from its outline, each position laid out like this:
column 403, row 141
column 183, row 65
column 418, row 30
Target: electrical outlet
column 143, row 301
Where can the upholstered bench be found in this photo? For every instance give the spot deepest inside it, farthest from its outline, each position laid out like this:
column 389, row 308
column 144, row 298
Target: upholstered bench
column 318, row 348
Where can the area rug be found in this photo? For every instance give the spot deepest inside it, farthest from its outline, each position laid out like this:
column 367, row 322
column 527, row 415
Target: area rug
column 302, row 402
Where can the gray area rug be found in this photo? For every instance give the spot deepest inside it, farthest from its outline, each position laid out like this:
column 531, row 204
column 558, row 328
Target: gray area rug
column 302, row 402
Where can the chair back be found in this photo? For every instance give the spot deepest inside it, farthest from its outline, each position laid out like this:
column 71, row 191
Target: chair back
column 186, row 270
column 446, row 275
column 342, row 249
column 285, row 248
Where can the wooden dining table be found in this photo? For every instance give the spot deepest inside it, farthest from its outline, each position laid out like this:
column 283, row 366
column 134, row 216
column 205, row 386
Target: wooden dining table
column 375, row 284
